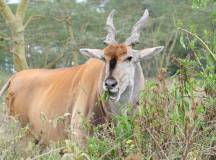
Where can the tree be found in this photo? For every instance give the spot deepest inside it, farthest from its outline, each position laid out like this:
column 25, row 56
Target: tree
column 72, row 40
column 15, row 23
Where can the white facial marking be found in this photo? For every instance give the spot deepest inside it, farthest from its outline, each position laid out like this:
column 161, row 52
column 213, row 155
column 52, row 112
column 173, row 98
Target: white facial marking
column 123, row 73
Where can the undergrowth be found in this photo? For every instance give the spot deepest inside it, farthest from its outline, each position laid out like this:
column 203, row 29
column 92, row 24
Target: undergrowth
column 176, row 119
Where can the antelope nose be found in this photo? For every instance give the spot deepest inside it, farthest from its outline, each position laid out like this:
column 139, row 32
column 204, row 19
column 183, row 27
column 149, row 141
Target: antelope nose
column 110, row 83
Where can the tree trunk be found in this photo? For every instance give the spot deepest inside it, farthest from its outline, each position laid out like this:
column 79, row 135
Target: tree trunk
column 73, row 43
column 18, row 48
column 15, row 22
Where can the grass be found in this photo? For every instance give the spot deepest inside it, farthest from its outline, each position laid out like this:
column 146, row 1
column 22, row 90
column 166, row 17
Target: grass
column 173, row 123
column 176, row 120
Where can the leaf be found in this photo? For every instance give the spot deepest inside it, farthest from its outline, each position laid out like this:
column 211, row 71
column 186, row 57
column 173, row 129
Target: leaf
column 182, row 42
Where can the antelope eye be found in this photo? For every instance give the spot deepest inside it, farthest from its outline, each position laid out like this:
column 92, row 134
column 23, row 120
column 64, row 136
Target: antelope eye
column 128, row 59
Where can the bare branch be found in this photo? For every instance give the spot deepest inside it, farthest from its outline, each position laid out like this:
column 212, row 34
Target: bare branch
column 21, row 9
column 202, row 42
column 36, row 17
column 47, row 153
column 110, row 38
column 31, row 18
column 157, row 143
column 6, row 11
column 135, row 35
column 55, row 60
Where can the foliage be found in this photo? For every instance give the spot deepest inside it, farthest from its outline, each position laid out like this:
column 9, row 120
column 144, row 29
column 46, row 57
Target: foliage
column 177, row 112
column 173, row 122
column 48, row 43
column 176, row 120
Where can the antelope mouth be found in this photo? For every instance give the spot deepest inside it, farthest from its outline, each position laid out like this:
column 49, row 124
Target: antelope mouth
column 113, row 95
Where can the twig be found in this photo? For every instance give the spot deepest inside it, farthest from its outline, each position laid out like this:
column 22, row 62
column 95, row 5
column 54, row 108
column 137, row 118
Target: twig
column 196, row 56
column 54, row 61
column 202, row 42
column 42, row 17
column 188, row 143
column 115, row 146
column 32, row 18
column 171, row 48
column 165, row 51
column 156, row 142
column 47, row 153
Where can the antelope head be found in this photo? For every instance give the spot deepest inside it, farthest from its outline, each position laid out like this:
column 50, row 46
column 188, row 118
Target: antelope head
column 121, row 59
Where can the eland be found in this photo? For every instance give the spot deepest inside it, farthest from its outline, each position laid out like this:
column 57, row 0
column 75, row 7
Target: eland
column 40, row 97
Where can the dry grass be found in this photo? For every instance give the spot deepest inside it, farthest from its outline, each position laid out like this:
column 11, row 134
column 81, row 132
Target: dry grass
column 177, row 120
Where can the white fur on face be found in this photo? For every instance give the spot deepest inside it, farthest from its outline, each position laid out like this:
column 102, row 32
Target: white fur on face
column 124, row 74
column 122, row 71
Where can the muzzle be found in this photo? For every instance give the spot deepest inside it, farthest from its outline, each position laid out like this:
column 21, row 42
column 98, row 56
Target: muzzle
column 111, row 85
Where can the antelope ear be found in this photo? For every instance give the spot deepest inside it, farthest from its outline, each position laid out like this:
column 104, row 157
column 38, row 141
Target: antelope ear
column 147, row 53
column 92, row 53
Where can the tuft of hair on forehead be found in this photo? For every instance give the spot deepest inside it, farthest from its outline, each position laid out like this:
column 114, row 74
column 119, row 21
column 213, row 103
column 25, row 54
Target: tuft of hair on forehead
column 115, row 51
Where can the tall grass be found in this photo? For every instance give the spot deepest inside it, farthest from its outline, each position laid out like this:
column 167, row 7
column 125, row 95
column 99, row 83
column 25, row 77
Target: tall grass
column 174, row 122
column 176, row 119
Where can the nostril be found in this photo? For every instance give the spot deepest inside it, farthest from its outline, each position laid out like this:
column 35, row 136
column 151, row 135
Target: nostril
column 110, row 83
column 114, row 84
column 106, row 84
